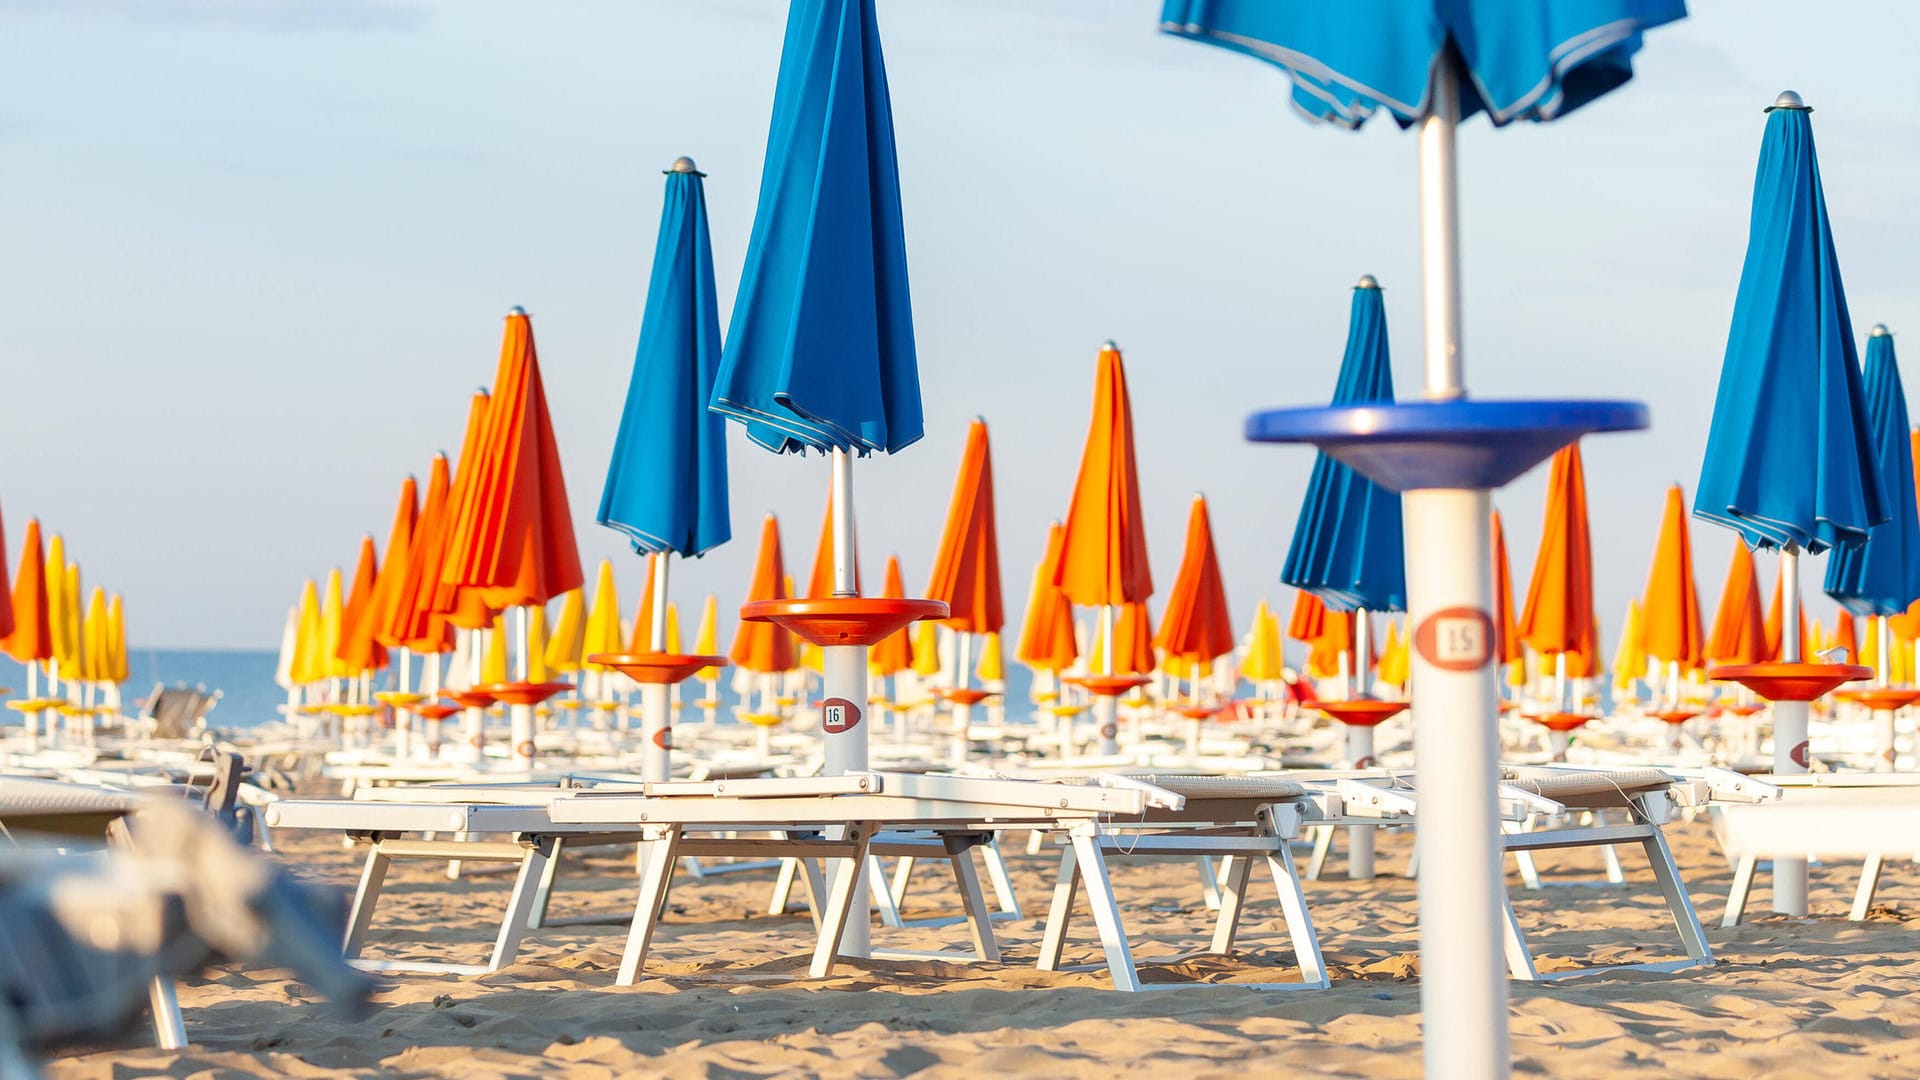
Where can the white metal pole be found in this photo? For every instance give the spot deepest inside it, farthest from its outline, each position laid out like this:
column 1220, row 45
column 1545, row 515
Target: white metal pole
column 963, row 712
column 1463, row 986
column 433, row 696
column 845, row 671
column 1790, row 736
column 520, row 717
column 656, row 705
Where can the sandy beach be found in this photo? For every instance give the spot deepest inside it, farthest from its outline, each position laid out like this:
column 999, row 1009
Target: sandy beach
column 728, row 996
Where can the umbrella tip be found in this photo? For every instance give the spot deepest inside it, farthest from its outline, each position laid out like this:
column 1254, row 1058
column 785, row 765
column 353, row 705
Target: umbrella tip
column 684, row 164
column 1789, row 99
column 1880, row 330
column 1109, row 345
column 1368, row 281
column 516, row 310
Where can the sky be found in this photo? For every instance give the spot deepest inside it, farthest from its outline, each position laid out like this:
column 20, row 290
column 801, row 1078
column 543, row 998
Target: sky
column 255, row 255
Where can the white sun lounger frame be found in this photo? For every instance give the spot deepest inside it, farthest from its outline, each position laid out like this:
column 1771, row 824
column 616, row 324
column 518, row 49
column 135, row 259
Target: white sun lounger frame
column 1828, row 816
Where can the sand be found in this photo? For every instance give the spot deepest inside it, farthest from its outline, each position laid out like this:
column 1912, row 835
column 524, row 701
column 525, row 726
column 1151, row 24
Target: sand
column 727, row 994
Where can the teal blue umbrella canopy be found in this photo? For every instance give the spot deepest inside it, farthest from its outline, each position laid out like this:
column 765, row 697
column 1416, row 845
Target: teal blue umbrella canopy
column 1790, row 457
column 1347, row 545
column 1348, row 59
column 667, row 484
column 1882, row 575
column 820, row 353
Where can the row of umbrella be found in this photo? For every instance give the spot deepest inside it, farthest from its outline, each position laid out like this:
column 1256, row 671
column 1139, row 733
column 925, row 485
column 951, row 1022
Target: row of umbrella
column 46, row 626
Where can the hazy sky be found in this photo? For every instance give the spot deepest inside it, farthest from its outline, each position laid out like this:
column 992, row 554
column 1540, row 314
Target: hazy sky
column 255, row 255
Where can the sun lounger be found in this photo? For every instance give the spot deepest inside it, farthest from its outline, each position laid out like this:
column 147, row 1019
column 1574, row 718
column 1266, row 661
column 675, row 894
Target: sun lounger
column 1102, row 819
column 1863, row 815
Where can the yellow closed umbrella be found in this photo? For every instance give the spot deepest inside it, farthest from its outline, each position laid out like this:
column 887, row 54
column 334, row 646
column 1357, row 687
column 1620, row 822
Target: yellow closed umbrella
column 1265, row 663
column 926, row 649
column 1396, row 659
column 706, row 639
column 673, row 628
column 93, row 632
column 56, row 571
column 993, row 666
column 331, row 610
column 309, row 664
column 493, row 662
column 116, row 641
column 602, row 634
column 1630, row 657
column 71, row 624
column 562, row 654
column 537, row 643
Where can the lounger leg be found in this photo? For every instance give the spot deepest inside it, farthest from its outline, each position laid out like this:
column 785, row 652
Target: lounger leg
column 1616, row 875
column 1232, row 901
column 1519, row 957
column 365, row 898
column 1209, row 883
column 1869, row 881
column 1066, row 888
column 1742, row 887
column 1529, row 873
column 902, row 878
column 169, row 1028
column 979, row 918
column 544, row 894
column 882, row 895
column 816, row 889
column 783, row 887
column 1106, row 913
column 520, row 903
column 1000, row 879
column 1685, row 920
column 1293, row 904
column 1036, row 841
column 1322, row 844
column 839, row 906
column 646, row 910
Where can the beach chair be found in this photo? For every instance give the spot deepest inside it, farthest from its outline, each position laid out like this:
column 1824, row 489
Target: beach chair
column 843, row 820
column 1868, row 816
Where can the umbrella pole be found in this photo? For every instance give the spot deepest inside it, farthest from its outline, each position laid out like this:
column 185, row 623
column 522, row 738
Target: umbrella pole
column 1790, row 735
column 1883, row 759
column 520, row 717
column 1360, row 746
column 844, row 683
column 655, row 707
column 1462, row 889
column 1106, row 707
column 963, row 712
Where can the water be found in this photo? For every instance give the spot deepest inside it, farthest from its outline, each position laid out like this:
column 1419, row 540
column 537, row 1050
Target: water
column 250, row 697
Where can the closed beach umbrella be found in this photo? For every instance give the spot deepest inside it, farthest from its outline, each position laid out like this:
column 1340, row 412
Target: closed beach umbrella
column 926, row 649
column 641, row 641
column 819, row 352
column 493, row 657
column 117, row 639
column 966, row 569
column 1396, row 658
column 1104, row 541
column 1671, row 631
column 6, row 590
column 93, row 635
column 1557, row 619
column 667, row 483
column 407, row 624
column 56, row 578
column 1046, row 632
column 513, row 537
column 1630, row 656
column 762, row 647
column 894, row 653
column 569, row 631
column 1739, row 632
column 1509, row 649
column 1846, row 635
column 358, row 651
column 1790, row 459
column 1881, row 576
column 1132, row 642
column 1195, row 627
column 332, row 615
column 309, row 665
column 602, row 631
column 31, row 639
column 993, row 662
column 428, row 602
column 1264, row 662
column 706, row 638
column 73, row 654
column 375, row 620
column 1347, row 546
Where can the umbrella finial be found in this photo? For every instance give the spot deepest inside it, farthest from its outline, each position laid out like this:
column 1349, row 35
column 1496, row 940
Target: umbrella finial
column 684, row 164
column 1789, row 99
column 1109, row 344
column 1368, row 281
column 1880, row 330
column 516, row 310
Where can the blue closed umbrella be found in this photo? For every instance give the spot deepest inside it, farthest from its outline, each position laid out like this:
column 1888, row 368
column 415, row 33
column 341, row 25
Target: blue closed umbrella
column 1520, row 61
column 820, row 351
column 1347, row 545
column 1790, row 459
column 667, row 485
column 1882, row 575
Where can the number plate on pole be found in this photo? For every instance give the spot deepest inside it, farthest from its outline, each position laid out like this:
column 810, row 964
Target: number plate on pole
column 1455, row 639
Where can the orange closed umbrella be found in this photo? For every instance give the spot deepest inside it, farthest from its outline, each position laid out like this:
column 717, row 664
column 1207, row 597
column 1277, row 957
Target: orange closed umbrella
column 357, row 652
column 761, row 646
column 378, row 615
column 1739, row 634
column 423, row 594
column 966, row 571
column 1774, row 618
column 6, row 592
column 1132, row 641
column 1558, row 619
column 513, row 531
column 641, row 641
column 1847, row 636
column 1104, row 547
column 894, row 653
column 1046, row 633
column 1508, row 648
column 1670, row 628
column 1195, row 626
column 820, row 581
column 31, row 639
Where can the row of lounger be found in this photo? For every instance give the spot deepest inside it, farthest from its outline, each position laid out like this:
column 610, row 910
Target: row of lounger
column 823, row 829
